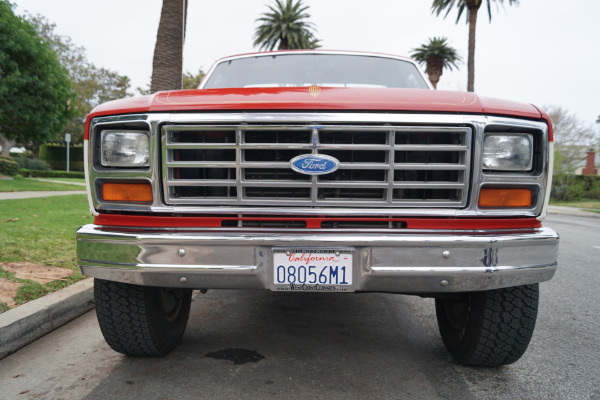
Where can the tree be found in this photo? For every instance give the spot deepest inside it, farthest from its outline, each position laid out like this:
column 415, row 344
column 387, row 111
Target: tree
column 285, row 27
column 436, row 55
column 93, row 85
column 167, row 65
column 472, row 7
column 191, row 81
column 572, row 138
column 35, row 91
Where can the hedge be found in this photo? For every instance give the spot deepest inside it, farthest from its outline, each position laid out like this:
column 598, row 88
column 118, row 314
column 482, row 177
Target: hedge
column 29, row 163
column 569, row 187
column 56, row 156
column 51, row 174
column 8, row 166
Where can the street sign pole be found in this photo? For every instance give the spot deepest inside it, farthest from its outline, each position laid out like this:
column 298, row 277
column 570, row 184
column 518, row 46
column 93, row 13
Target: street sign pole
column 68, row 140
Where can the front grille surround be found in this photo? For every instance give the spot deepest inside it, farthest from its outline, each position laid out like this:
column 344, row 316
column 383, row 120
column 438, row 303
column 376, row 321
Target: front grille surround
column 380, row 165
column 538, row 179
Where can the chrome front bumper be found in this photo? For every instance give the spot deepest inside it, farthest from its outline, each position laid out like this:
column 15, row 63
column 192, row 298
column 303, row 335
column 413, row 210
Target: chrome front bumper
column 411, row 262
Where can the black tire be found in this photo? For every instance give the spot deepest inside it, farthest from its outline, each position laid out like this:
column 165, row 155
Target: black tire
column 489, row 328
column 139, row 320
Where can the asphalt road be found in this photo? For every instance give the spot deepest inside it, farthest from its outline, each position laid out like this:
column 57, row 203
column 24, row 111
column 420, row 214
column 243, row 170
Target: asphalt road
column 330, row 346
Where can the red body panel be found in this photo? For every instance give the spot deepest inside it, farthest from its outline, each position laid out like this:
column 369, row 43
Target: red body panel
column 323, row 98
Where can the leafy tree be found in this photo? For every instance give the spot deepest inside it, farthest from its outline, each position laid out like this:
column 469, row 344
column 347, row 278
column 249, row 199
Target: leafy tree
column 35, row 92
column 436, row 55
column 167, row 65
column 92, row 84
column 286, row 27
column 143, row 91
column 572, row 139
column 472, row 7
column 191, row 81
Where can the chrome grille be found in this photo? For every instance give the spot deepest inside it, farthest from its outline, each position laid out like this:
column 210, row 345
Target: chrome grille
column 380, row 166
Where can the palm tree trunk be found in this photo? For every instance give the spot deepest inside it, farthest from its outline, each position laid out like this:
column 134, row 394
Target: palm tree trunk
column 435, row 67
column 283, row 45
column 471, row 59
column 167, row 66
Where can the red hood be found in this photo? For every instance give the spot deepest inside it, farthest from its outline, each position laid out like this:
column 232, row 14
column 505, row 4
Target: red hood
column 316, row 98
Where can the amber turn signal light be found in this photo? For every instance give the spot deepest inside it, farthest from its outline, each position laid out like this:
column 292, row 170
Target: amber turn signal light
column 497, row 198
column 141, row 192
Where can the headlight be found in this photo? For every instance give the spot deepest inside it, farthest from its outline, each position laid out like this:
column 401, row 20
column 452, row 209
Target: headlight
column 125, row 149
column 508, row 152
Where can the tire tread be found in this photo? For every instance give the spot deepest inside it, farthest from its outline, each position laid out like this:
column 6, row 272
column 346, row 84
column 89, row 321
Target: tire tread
column 127, row 317
column 500, row 326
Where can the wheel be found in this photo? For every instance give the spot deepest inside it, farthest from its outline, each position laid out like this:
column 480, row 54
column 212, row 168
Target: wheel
column 488, row 328
column 139, row 320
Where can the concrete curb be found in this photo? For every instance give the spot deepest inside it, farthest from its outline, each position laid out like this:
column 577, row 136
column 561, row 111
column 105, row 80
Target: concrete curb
column 24, row 324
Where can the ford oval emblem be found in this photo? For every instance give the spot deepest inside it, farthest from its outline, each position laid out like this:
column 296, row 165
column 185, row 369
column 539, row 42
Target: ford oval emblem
column 314, row 164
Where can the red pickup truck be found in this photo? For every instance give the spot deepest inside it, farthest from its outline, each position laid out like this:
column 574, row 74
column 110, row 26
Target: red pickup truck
column 319, row 171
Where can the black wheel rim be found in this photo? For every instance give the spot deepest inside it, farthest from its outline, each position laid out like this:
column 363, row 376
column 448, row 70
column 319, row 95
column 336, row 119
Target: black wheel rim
column 457, row 313
column 172, row 301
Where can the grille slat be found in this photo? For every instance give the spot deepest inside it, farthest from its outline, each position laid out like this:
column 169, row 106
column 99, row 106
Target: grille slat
column 380, row 166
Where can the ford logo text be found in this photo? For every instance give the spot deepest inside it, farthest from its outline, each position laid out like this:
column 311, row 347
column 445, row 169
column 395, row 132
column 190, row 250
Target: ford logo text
column 314, row 164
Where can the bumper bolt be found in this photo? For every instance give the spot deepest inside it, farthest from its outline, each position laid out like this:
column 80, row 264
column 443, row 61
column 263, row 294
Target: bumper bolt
column 181, row 252
column 445, row 254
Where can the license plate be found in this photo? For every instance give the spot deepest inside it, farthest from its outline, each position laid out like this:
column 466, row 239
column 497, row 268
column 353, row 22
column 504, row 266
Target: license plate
column 323, row 270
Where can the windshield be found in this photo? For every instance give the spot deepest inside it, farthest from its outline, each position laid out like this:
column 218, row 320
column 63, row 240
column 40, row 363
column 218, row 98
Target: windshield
column 337, row 70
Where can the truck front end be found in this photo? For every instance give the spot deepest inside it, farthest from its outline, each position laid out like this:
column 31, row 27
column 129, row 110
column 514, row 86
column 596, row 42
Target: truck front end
column 321, row 189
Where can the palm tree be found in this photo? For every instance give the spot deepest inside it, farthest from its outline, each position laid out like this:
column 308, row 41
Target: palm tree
column 167, row 65
column 437, row 55
column 473, row 7
column 285, row 27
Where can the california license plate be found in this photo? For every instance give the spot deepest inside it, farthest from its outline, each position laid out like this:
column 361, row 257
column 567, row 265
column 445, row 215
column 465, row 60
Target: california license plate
column 312, row 270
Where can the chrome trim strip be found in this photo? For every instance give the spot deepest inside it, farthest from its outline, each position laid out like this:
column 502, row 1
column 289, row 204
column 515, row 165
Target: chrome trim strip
column 484, row 269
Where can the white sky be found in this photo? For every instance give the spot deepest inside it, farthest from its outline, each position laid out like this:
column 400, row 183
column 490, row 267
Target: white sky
column 545, row 52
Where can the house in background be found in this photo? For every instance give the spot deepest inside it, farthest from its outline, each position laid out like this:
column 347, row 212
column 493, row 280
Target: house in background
column 590, row 164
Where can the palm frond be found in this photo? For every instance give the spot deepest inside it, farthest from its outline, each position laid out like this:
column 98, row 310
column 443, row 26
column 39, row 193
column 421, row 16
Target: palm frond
column 437, row 47
column 439, row 6
column 285, row 23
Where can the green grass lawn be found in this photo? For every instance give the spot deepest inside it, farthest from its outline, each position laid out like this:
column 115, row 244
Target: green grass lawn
column 20, row 184
column 42, row 231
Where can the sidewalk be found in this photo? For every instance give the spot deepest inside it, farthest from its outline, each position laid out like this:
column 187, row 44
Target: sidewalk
column 61, row 182
column 575, row 212
column 30, row 195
